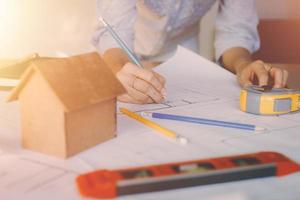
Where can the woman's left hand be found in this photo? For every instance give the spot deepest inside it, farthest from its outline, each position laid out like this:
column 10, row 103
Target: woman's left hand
column 263, row 73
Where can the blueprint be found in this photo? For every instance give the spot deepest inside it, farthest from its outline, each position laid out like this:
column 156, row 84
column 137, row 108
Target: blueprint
column 196, row 87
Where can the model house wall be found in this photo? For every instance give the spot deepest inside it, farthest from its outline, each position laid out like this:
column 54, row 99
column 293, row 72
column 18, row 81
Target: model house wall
column 67, row 104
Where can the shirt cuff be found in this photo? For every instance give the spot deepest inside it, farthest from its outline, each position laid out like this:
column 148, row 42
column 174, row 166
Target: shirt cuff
column 228, row 44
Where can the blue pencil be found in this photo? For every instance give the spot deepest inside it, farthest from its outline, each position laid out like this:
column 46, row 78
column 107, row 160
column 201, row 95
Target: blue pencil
column 122, row 44
column 204, row 121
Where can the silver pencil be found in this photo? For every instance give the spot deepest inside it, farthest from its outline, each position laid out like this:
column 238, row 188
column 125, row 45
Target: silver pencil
column 122, row 44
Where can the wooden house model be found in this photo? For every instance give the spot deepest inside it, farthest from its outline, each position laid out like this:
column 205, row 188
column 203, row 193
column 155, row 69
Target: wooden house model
column 67, row 104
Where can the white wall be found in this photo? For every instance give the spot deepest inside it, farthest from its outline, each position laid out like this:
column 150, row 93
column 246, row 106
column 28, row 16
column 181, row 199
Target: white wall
column 46, row 26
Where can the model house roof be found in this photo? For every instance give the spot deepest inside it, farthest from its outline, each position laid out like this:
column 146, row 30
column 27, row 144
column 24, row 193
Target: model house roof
column 77, row 81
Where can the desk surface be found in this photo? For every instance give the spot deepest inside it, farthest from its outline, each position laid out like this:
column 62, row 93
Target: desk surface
column 196, row 88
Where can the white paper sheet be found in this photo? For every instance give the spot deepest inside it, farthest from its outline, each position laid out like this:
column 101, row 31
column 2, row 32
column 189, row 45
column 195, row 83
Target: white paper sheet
column 196, row 87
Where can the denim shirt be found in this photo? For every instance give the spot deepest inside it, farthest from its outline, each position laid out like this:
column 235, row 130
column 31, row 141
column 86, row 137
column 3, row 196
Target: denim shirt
column 154, row 28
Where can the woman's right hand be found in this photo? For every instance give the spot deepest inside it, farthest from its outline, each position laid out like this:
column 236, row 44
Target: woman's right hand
column 142, row 85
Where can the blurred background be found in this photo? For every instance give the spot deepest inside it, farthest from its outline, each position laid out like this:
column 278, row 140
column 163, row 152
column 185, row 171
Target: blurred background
column 57, row 28
column 48, row 27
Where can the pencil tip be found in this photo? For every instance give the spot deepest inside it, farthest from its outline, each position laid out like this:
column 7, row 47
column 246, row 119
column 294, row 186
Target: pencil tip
column 258, row 128
column 102, row 20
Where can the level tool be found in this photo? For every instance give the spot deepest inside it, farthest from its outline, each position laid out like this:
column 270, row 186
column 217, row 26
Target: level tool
column 113, row 183
column 269, row 101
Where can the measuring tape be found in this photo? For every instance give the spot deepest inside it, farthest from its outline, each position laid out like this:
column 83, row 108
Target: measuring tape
column 269, row 101
column 113, row 183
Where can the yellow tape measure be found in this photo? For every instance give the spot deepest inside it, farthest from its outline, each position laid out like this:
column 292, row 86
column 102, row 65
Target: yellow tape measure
column 269, row 101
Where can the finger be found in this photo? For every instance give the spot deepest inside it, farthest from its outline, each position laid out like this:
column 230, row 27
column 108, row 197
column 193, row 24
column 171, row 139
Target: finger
column 147, row 89
column 245, row 83
column 133, row 96
column 245, row 78
column 161, row 79
column 163, row 82
column 125, row 78
column 138, row 96
column 261, row 73
column 277, row 75
column 143, row 74
column 285, row 77
column 130, row 81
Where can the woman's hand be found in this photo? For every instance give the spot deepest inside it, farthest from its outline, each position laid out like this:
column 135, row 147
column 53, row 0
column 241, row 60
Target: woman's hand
column 142, row 85
column 260, row 73
column 238, row 60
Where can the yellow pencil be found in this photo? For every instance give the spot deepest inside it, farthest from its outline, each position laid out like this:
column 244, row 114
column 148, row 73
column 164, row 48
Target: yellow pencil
column 160, row 129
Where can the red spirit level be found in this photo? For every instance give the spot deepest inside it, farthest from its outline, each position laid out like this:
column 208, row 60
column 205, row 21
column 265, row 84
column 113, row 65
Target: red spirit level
column 112, row 183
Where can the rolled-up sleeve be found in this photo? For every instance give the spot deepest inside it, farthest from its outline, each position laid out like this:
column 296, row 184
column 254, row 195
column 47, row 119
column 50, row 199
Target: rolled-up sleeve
column 236, row 26
column 121, row 15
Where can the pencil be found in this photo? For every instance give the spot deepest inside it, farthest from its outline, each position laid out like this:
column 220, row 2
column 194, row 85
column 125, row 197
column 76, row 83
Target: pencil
column 155, row 126
column 204, row 121
column 121, row 43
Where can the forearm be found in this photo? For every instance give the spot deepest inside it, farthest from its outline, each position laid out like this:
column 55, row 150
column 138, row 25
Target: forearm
column 235, row 59
column 115, row 58
column 236, row 34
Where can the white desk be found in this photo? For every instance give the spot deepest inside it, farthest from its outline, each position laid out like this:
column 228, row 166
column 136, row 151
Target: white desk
column 196, row 88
